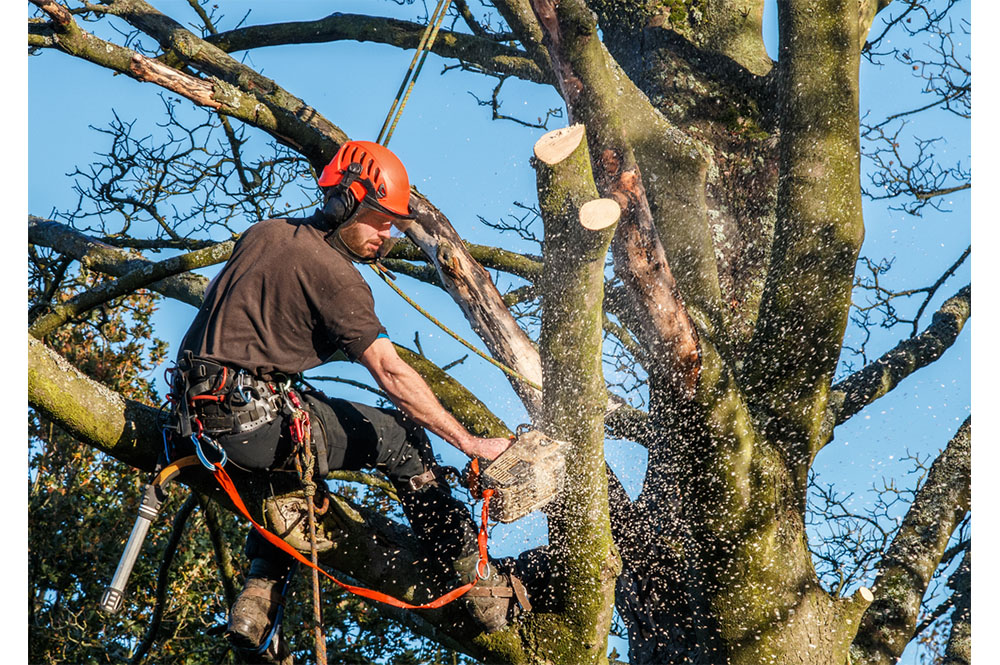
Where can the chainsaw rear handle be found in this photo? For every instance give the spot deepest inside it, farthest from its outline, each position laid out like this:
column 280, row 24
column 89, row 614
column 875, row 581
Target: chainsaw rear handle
column 114, row 595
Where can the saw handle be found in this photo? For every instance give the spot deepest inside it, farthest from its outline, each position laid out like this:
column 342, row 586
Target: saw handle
column 114, row 595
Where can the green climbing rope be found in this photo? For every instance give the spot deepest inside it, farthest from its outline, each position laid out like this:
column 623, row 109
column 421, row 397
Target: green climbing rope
column 381, row 272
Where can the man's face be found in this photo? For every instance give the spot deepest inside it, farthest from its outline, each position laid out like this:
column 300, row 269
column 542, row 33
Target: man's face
column 365, row 234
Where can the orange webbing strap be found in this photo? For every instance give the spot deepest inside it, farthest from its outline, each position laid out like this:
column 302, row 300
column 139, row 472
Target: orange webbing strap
column 227, row 484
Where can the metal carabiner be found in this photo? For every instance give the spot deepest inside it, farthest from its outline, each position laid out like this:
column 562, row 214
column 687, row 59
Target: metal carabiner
column 196, row 439
column 241, row 389
column 479, row 565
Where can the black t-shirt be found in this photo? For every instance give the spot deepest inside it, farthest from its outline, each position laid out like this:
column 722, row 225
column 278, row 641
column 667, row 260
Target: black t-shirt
column 285, row 302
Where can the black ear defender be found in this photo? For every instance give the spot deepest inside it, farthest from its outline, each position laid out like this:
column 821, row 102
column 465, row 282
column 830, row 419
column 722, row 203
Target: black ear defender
column 338, row 207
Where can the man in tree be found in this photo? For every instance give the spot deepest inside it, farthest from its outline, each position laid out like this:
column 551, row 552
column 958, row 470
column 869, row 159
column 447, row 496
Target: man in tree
column 289, row 299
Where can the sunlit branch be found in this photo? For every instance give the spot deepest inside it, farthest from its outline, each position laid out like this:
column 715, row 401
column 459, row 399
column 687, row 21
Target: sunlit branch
column 128, row 283
column 483, row 51
column 915, row 553
column 95, row 255
column 881, row 376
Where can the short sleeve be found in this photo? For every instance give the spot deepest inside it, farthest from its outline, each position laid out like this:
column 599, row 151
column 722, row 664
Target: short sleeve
column 350, row 320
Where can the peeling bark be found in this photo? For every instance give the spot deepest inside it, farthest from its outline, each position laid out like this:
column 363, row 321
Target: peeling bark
column 481, row 302
column 582, row 69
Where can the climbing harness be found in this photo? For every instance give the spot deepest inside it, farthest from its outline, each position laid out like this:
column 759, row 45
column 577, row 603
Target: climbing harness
column 209, row 454
column 423, row 48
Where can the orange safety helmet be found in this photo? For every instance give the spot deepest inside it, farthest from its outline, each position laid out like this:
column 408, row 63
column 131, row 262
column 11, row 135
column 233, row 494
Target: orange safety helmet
column 373, row 174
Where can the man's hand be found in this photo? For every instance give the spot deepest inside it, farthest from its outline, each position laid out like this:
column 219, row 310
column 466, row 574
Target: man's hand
column 487, row 448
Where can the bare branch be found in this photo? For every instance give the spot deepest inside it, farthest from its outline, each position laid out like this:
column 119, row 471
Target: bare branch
column 486, row 53
column 915, row 553
column 128, row 283
column 881, row 376
column 95, row 255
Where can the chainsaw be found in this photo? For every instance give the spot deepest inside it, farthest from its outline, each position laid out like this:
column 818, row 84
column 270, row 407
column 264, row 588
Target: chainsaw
column 524, row 478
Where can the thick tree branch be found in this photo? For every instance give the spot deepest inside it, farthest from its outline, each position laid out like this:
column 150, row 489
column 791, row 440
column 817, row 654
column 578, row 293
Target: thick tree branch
column 574, row 396
column 243, row 93
column 883, row 375
column 819, row 229
column 481, row 51
column 235, row 90
column 959, row 649
column 494, row 258
column 98, row 256
column 906, row 569
column 129, row 283
column 471, row 288
column 587, row 83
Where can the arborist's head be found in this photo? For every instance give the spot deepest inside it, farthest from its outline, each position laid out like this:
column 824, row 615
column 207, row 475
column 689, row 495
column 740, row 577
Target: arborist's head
column 367, row 198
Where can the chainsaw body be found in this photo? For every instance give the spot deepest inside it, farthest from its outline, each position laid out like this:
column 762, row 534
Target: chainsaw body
column 525, row 477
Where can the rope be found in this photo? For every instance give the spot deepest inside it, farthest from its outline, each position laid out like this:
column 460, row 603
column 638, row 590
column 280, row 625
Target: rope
column 230, row 489
column 423, row 48
column 305, row 464
column 380, row 271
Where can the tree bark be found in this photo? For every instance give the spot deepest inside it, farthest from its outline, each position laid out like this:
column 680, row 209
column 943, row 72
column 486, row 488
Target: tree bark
column 819, row 228
column 959, row 649
column 584, row 559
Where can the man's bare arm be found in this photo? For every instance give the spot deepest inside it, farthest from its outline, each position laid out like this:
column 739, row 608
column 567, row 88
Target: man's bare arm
column 411, row 395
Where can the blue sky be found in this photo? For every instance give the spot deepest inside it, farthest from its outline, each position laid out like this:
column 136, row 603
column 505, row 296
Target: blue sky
column 470, row 166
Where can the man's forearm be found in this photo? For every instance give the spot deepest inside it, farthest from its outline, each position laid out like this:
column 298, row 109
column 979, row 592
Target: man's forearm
column 411, row 395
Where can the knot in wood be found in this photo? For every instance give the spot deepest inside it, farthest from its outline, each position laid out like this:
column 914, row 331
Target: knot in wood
column 448, row 259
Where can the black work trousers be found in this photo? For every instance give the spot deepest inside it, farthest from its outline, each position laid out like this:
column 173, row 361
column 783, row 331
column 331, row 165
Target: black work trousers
column 359, row 437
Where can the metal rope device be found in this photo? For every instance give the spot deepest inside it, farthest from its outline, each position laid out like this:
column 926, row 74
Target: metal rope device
column 152, row 500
